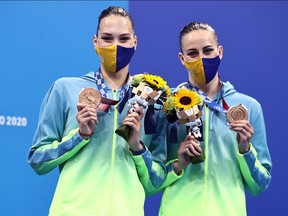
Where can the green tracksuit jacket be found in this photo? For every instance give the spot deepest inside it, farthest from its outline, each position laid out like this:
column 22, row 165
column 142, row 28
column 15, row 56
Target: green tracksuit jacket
column 217, row 186
column 97, row 176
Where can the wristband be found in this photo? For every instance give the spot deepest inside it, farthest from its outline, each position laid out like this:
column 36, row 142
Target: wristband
column 245, row 151
column 86, row 135
column 140, row 151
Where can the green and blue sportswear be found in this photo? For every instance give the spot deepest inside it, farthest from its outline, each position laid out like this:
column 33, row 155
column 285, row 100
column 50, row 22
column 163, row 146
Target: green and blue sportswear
column 97, row 176
column 216, row 187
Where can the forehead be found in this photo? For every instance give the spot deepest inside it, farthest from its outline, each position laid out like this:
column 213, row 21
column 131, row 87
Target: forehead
column 115, row 23
column 198, row 39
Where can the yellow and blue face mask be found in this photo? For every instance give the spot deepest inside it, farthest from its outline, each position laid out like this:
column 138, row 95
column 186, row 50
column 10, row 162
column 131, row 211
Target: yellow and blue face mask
column 115, row 57
column 203, row 69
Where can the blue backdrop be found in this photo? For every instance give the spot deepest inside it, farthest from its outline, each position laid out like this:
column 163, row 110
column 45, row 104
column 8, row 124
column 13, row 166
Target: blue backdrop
column 43, row 41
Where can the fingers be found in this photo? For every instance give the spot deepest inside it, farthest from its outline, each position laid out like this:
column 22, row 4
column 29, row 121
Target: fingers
column 81, row 106
column 86, row 114
column 139, row 111
column 190, row 137
column 242, row 125
column 244, row 130
column 134, row 119
column 193, row 150
column 87, row 118
column 190, row 146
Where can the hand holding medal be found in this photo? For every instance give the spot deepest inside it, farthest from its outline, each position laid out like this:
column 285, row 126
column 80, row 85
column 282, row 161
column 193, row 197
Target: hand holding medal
column 89, row 98
column 236, row 113
column 244, row 130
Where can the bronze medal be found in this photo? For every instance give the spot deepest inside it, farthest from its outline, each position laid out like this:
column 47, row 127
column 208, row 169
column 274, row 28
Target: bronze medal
column 90, row 97
column 235, row 113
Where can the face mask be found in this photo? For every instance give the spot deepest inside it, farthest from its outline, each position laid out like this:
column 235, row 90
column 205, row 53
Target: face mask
column 204, row 69
column 115, row 57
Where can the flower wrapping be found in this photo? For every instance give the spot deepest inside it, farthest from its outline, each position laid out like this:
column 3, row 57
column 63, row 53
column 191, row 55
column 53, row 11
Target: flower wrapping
column 147, row 90
column 182, row 106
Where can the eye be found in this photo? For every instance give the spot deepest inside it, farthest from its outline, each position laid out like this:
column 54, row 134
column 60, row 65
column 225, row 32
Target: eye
column 124, row 39
column 208, row 50
column 192, row 53
column 107, row 38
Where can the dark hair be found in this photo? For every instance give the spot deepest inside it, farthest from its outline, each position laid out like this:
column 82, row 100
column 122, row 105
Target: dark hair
column 114, row 10
column 193, row 26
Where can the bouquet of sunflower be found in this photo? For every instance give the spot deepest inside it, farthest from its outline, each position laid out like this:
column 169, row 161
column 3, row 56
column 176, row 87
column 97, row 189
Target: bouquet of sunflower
column 183, row 106
column 150, row 88
column 147, row 89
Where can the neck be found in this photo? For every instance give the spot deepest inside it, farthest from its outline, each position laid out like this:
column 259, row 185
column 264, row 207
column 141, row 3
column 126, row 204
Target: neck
column 115, row 80
column 211, row 88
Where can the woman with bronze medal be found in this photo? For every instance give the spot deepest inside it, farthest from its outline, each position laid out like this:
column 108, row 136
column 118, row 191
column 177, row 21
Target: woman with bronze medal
column 99, row 172
column 233, row 145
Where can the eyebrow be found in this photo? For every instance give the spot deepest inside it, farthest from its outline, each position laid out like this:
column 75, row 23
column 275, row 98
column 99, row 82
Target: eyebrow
column 193, row 49
column 109, row 34
column 209, row 46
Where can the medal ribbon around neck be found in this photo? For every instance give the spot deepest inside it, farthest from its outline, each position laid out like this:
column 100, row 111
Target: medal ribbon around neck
column 102, row 88
column 237, row 112
column 212, row 104
column 234, row 113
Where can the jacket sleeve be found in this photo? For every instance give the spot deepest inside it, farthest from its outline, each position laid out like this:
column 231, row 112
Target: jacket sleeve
column 150, row 165
column 53, row 143
column 153, row 173
column 149, row 175
column 256, row 164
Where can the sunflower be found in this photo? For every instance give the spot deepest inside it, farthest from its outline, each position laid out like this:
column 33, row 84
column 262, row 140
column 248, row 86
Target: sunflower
column 186, row 99
column 156, row 81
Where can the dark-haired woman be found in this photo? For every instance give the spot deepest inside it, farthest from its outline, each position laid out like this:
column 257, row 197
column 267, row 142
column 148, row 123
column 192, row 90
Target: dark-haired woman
column 98, row 168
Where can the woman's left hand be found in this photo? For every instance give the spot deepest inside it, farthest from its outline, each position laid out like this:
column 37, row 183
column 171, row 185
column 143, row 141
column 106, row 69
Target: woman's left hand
column 245, row 132
column 133, row 120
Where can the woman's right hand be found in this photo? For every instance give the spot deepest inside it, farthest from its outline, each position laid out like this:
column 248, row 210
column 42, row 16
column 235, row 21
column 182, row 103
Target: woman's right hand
column 188, row 148
column 87, row 120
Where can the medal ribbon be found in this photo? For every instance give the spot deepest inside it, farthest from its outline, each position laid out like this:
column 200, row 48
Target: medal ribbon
column 212, row 104
column 102, row 87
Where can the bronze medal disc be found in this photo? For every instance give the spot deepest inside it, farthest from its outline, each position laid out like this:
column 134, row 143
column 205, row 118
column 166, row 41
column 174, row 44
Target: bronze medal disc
column 235, row 113
column 90, row 97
